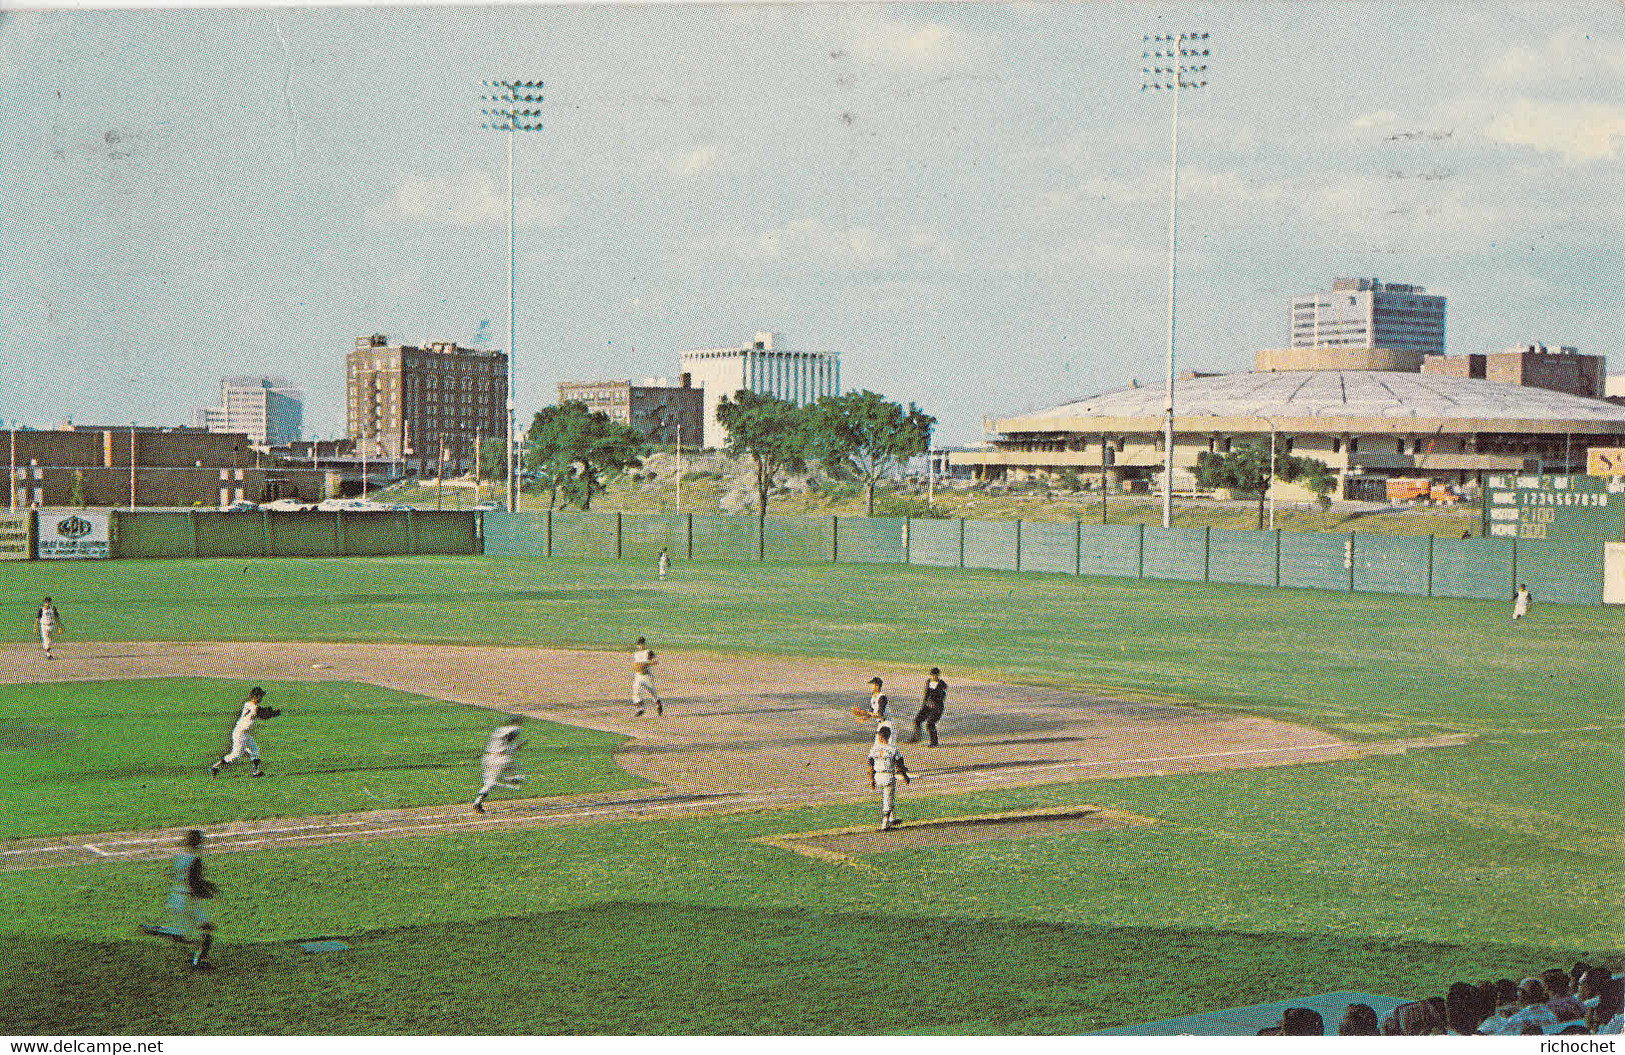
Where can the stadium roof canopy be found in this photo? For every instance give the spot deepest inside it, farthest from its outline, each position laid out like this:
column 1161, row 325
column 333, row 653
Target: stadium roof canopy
column 1331, row 401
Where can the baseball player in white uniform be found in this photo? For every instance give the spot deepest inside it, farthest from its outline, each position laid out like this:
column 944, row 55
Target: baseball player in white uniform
column 885, row 766
column 664, row 564
column 497, row 764
column 49, row 621
column 242, row 744
column 1520, row 602
column 188, row 892
column 643, row 682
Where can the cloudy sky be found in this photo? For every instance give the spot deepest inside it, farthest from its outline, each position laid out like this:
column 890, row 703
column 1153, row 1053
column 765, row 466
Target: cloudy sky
column 967, row 201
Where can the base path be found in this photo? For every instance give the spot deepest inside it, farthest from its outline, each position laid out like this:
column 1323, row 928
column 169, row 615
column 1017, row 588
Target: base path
column 739, row 732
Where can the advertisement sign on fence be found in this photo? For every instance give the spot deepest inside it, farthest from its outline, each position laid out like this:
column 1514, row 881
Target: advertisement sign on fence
column 14, row 536
column 73, row 534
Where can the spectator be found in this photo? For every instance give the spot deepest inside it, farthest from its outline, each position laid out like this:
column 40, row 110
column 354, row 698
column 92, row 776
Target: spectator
column 1532, row 1009
column 1605, row 1017
column 1463, row 1009
column 1563, row 1007
column 1423, row 1018
column 1591, row 984
column 1297, row 1022
column 1359, row 1020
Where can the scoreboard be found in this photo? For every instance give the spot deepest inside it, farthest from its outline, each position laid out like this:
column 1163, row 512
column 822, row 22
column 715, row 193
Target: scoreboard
column 1566, row 507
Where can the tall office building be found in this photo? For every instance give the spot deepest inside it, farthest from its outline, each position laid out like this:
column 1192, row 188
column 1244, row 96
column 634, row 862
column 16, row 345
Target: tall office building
column 1366, row 313
column 800, row 377
column 269, row 409
column 412, row 404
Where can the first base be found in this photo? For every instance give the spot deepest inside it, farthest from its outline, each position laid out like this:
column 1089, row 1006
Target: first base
column 323, row 945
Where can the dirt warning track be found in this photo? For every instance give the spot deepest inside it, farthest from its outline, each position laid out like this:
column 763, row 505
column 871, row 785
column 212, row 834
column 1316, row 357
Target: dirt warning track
column 739, row 732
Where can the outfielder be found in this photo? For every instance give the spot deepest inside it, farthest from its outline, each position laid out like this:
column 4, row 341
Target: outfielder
column 497, row 764
column 189, row 916
column 49, row 621
column 664, row 563
column 643, row 660
column 1520, row 605
column 243, row 745
column 885, row 764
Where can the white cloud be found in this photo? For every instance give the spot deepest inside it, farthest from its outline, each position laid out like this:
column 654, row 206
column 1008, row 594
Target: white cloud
column 696, row 161
column 899, row 44
column 1576, row 130
column 814, row 243
column 1379, row 119
column 475, row 199
column 1570, row 54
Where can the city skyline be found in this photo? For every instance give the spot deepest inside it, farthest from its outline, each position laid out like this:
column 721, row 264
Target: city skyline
column 967, row 202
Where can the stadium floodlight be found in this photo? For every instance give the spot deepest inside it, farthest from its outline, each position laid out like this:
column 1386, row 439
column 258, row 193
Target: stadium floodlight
column 1175, row 62
column 510, row 107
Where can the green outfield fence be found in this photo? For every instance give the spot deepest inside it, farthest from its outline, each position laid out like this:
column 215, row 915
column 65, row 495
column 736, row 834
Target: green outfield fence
column 152, row 533
column 1564, row 572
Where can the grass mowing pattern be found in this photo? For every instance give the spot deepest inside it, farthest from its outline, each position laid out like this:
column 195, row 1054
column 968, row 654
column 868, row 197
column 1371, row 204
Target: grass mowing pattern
column 110, row 756
column 1394, row 875
column 1257, row 885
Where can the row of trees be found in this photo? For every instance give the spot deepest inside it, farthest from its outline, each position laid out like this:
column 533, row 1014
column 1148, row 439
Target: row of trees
column 571, row 450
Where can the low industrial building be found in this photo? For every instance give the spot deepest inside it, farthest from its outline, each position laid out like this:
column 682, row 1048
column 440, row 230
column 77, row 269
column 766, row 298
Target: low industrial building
column 91, row 466
column 1365, row 424
column 664, row 413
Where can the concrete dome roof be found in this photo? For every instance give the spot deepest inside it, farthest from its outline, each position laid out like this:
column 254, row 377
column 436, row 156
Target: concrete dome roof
column 1332, row 400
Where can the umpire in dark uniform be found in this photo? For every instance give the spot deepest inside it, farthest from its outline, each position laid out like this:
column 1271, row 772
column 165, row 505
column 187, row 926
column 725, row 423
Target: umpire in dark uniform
column 930, row 712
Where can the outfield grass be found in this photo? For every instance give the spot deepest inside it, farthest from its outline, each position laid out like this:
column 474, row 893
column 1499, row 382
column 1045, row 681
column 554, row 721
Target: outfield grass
column 111, row 756
column 1391, row 874
column 1362, row 664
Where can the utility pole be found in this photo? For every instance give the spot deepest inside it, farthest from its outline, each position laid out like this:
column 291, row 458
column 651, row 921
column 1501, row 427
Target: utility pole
column 1172, row 69
column 509, row 109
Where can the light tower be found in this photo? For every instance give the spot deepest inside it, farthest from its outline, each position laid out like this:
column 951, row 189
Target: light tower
column 509, row 107
column 1176, row 62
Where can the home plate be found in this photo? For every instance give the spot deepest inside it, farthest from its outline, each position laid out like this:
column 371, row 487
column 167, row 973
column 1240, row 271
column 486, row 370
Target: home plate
column 323, row 945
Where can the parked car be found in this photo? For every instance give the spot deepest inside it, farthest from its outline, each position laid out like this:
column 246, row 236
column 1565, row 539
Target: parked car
column 289, row 505
column 240, row 507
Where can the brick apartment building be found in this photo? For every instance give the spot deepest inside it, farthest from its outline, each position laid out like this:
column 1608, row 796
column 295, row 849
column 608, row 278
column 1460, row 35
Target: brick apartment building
column 409, row 404
column 91, row 465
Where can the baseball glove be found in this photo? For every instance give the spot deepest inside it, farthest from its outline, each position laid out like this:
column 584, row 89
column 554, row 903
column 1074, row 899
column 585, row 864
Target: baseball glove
column 863, row 714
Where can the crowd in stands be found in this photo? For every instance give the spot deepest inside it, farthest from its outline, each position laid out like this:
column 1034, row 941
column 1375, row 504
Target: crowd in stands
column 1584, row 1000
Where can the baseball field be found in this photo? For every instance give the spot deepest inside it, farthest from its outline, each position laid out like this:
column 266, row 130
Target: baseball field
column 1224, row 795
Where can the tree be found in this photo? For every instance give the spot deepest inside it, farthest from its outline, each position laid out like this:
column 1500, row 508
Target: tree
column 494, row 460
column 1247, row 469
column 775, row 432
column 869, row 434
column 570, row 448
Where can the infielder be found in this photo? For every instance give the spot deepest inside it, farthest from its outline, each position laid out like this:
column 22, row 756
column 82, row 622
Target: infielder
column 876, row 710
column 885, row 764
column 643, row 682
column 189, row 916
column 930, row 712
column 243, row 745
column 49, row 621
column 497, row 764
column 1520, row 604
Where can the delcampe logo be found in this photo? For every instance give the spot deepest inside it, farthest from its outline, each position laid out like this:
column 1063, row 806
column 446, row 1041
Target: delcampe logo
column 74, row 527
